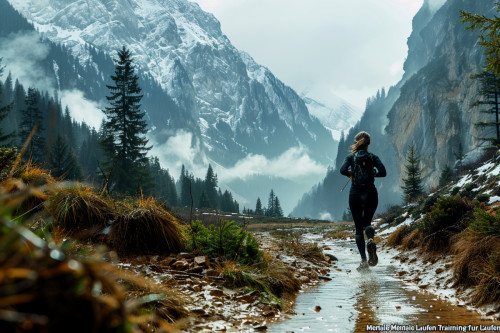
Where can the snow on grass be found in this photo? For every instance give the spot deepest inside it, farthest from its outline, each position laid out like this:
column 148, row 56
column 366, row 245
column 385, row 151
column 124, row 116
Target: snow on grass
column 493, row 199
column 390, row 230
column 485, row 167
column 464, row 180
column 496, row 171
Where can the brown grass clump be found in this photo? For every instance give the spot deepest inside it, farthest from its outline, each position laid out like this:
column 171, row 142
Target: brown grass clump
column 342, row 234
column 78, row 208
column 397, row 236
column 280, row 279
column 147, row 229
column 477, row 264
column 412, row 240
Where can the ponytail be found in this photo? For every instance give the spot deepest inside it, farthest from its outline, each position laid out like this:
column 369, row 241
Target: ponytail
column 361, row 140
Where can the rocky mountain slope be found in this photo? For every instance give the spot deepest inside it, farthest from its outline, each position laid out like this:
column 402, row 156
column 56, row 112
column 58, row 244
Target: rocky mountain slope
column 239, row 106
column 430, row 107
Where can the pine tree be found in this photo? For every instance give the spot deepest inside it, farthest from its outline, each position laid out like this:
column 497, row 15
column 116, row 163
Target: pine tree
column 460, row 156
column 412, row 187
column 203, row 202
column 271, row 211
column 124, row 141
column 488, row 37
column 4, row 110
column 62, row 162
column 31, row 117
column 278, row 212
column 490, row 91
column 211, row 187
column 446, row 176
column 258, row 208
column 186, row 189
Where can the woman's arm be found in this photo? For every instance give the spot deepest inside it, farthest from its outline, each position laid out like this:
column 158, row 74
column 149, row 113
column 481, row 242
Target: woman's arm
column 344, row 169
column 381, row 172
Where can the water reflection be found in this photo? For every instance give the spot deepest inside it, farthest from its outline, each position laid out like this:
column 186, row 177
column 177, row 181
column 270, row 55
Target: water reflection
column 353, row 300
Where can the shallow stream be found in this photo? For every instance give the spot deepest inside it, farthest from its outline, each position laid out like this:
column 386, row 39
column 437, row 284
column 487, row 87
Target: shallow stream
column 351, row 301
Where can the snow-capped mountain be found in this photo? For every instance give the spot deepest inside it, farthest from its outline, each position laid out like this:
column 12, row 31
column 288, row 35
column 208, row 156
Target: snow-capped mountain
column 336, row 115
column 240, row 107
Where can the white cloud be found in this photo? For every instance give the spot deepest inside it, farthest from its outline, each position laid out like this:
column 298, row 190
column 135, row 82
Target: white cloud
column 293, row 164
column 82, row 109
column 180, row 149
column 325, row 216
column 22, row 55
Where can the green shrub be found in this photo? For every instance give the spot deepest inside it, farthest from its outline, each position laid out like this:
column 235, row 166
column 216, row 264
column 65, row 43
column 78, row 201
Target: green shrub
column 442, row 222
column 455, row 190
column 485, row 223
column 483, row 197
column 225, row 240
column 446, row 212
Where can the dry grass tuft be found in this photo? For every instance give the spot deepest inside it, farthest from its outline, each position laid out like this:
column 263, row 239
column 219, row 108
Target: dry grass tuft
column 342, row 234
column 280, row 279
column 477, row 264
column 147, row 229
column 78, row 208
column 397, row 236
column 412, row 240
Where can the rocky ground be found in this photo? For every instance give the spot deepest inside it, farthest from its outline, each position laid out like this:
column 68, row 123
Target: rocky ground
column 211, row 305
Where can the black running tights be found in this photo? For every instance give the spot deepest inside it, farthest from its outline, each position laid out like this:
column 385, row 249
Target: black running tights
column 363, row 204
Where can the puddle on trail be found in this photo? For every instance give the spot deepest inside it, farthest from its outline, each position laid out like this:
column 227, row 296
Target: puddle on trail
column 353, row 300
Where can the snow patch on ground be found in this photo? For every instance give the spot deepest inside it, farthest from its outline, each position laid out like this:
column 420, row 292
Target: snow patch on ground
column 390, row 230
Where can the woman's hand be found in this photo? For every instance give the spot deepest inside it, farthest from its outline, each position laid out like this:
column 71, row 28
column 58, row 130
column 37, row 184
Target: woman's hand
column 349, row 173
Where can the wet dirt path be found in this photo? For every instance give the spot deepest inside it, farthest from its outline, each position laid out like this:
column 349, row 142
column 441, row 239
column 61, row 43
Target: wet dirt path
column 353, row 300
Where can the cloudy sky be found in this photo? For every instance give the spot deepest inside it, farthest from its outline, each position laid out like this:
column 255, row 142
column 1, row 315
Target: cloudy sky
column 348, row 48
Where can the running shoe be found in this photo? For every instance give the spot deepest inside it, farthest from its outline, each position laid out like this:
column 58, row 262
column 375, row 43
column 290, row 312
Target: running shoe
column 372, row 252
column 363, row 267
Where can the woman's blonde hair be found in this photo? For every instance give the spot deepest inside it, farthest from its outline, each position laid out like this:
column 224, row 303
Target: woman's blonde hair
column 361, row 140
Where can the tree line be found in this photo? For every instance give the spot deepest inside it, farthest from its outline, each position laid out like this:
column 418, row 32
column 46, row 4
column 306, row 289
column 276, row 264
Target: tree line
column 273, row 208
column 114, row 156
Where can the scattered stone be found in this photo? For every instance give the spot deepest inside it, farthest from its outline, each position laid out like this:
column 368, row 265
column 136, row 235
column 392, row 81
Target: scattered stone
column 317, row 308
column 185, row 255
column 331, row 256
column 269, row 314
column 180, row 265
column 216, row 292
column 439, row 271
column 304, row 279
column 261, row 327
column 398, row 307
column 212, row 272
column 423, row 286
column 326, row 278
column 168, row 261
column 197, row 269
column 198, row 311
column 202, row 261
column 197, row 288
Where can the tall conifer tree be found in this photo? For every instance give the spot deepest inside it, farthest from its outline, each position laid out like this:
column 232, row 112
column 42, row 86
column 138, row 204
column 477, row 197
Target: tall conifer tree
column 124, row 142
column 412, row 187
column 31, row 117
column 4, row 110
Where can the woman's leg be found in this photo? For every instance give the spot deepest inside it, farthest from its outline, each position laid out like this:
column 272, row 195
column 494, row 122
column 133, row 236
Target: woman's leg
column 356, row 206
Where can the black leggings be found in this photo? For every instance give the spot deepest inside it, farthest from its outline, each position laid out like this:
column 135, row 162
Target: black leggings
column 363, row 204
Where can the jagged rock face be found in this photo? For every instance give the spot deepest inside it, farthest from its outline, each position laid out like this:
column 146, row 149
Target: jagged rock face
column 240, row 106
column 435, row 109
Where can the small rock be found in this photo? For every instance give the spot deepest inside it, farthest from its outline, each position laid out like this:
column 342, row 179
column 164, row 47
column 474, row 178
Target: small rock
column 168, row 261
column 317, row 308
column 185, row 255
column 269, row 314
column 202, row 261
column 216, row 293
column 180, row 265
column 197, row 289
column 212, row 272
column 398, row 307
column 439, row 271
column 197, row 269
column 331, row 256
column 198, row 311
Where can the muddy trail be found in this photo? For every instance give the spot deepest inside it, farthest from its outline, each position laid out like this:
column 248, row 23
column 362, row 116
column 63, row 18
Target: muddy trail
column 352, row 301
